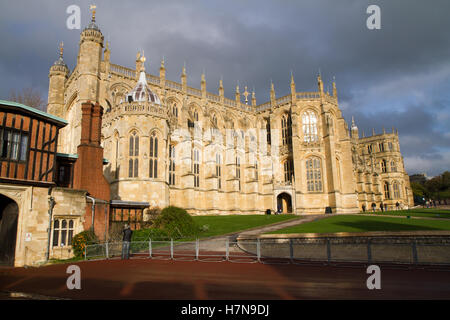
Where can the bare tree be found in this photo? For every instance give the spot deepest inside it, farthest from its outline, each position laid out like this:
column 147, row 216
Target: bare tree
column 28, row 97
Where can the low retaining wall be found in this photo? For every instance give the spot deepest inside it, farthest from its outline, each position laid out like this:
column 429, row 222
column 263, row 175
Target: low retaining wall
column 428, row 247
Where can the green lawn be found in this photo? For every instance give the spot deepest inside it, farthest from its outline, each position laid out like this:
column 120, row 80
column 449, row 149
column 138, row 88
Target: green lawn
column 355, row 223
column 419, row 212
column 217, row 225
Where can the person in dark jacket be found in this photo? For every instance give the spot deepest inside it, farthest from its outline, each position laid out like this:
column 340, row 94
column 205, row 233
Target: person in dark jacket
column 127, row 232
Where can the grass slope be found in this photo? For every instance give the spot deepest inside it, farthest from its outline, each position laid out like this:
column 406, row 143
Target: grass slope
column 218, row 225
column 419, row 212
column 355, row 223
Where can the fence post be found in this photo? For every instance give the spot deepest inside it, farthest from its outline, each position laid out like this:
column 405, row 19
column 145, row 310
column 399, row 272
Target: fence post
column 291, row 250
column 150, row 248
column 226, row 248
column 328, row 250
column 85, row 251
column 414, row 251
column 196, row 249
column 171, row 249
column 258, row 249
column 369, row 250
column 107, row 250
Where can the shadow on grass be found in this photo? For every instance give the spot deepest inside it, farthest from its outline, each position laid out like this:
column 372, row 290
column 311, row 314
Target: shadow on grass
column 370, row 225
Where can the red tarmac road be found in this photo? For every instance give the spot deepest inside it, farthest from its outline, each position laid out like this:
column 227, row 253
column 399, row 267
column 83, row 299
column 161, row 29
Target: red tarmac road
column 166, row 279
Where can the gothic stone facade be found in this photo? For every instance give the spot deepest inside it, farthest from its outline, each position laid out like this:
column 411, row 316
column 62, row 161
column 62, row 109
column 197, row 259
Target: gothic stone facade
column 209, row 154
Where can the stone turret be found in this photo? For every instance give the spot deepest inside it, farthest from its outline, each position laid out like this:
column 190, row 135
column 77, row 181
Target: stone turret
column 89, row 58
column 58, row 75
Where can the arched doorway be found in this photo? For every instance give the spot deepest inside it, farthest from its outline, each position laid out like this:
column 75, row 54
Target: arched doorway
column 284, row 203
column 9, row 212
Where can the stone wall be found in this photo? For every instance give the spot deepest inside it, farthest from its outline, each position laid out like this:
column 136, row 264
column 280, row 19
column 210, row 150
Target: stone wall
column 421, row 247
column 33, row 218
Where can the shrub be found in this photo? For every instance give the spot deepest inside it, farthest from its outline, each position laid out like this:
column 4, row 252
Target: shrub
column 80, row 240
column 177, row 223
column 150, row 233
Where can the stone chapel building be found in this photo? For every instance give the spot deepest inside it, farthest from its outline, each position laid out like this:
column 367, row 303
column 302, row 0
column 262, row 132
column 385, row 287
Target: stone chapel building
column 167, row 143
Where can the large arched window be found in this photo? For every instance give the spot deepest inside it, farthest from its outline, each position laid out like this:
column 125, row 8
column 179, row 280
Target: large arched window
column 153, row 155
column 133, row 162
column 286, row 129
column 288, row 170
column 314, row 175
column 309, row 121
column 171, row 165
column 387, row 194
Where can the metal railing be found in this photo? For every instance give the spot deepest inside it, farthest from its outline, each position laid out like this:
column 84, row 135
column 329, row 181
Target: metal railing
column 295, row 251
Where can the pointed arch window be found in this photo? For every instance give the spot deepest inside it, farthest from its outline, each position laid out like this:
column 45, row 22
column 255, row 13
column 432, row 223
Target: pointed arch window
column 268, row 134
column 175, row 110
column 153, row 155
column 387, row 194
column 172, row 165
column 396, row 189
column 288, row 170
column 309, row 122
column 393, row 166
column 383, row 166
column 196, row 167
column 214, row 120
column 314, row 175
column 238, row 171
column 286, row 129
column 133, row 161
column 219, row 170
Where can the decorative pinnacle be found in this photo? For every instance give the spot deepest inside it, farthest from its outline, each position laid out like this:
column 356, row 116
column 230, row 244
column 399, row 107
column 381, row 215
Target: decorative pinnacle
column 246, row 93
column 61, row 49
column 92, row 8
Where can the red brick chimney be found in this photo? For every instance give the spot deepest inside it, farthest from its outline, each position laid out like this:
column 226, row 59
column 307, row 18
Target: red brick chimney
column 88, row 170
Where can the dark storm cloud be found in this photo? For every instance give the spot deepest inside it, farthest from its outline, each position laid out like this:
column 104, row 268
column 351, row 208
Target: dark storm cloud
column 398, row 75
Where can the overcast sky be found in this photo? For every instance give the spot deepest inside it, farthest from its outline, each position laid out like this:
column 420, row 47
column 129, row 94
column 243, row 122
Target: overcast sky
column 396, row 76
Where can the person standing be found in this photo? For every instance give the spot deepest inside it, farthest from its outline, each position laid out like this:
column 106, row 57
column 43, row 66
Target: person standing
column 127, row 232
